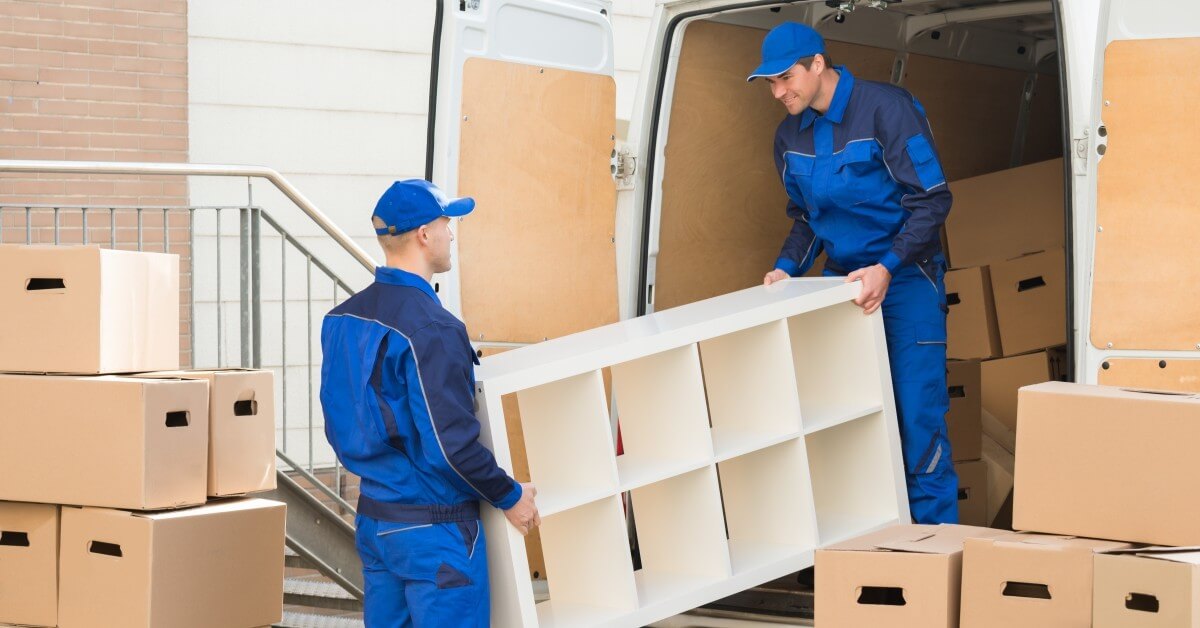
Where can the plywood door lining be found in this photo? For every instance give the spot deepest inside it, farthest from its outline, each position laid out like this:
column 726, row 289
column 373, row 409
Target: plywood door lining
column 537, row 257
column 1145, row 272
column 723, row 215
column 1151, row 374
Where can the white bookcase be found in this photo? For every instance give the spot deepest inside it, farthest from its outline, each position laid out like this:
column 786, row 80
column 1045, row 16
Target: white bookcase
column 757, row 426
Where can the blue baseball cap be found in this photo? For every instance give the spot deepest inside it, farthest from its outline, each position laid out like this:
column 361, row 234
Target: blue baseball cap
column 784, row 46
column 411, row 203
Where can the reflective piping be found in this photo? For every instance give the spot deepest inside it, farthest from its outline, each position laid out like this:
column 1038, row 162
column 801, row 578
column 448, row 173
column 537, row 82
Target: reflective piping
column 883, row 158
column 931, row 281
column 425, row 395
column 794, row 152
column 937, row 455
column 861, row 139
column 931, row 342
column 478, row 533
column 427, row 525
column 935, row 187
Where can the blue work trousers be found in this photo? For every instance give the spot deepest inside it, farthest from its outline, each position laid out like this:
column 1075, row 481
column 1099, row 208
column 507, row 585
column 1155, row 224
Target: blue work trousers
column 914, row 320
column 423, row 575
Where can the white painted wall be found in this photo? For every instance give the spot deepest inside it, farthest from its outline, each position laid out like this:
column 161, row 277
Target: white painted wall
column 334, row 97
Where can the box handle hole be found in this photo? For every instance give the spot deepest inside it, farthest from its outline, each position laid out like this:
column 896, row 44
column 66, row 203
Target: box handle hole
column 179, row 418
column 957, row 392
column 1030, row 284
column 105, row 549
column 964, row 494
column 246, row 407
column 952, row 298
column 1027, row 589
column 1141, row 602
column 45, row 283
column 14, row 539
column 881, row 596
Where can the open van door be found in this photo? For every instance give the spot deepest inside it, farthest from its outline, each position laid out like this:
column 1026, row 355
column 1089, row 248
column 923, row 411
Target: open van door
column 523, row 120
column 1145, row 312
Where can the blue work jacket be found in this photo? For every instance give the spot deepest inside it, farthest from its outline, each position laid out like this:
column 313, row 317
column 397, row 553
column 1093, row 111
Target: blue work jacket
column 398, row 392
column 863, row 180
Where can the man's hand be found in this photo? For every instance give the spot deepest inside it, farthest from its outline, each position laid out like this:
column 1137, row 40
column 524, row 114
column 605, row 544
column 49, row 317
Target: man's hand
column 775, row 275
column 524, row 514
column 875, row 280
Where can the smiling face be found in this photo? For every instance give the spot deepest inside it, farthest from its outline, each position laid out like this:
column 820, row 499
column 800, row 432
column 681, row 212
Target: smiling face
column 799, row 86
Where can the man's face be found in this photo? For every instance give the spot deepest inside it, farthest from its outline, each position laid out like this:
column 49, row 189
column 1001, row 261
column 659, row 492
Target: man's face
column 440, row 236
column 797, row 87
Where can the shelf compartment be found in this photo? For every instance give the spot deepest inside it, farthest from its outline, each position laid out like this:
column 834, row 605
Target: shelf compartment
column 751, row 384
column 588, row 564
column 568, row 442
column 768, row 502
column 663, row 416
column 854, row 477
column 836, row 352
column 681, row 535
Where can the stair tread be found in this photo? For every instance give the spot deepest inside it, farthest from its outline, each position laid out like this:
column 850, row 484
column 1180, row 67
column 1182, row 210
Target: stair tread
column 293, row 619
column 315, row 588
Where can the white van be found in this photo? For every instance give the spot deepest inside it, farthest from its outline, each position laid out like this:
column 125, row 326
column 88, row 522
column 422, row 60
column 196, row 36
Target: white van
column 582, row 229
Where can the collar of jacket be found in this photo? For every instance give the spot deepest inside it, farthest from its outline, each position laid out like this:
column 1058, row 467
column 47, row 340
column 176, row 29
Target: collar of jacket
column 398, row 277
column 837, row 107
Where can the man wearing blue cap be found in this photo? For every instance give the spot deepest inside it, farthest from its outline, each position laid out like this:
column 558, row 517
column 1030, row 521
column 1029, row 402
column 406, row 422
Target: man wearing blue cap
column 397, row 388
column 864, row 185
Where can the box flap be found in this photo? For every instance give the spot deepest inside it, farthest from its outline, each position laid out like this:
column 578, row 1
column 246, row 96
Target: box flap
column 1189, row 555
column 916, row 538
column 1114, row 392
column 1056, row 542
column 942, row 539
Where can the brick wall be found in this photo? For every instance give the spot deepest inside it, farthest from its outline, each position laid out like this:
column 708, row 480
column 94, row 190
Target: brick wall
column 95, row 80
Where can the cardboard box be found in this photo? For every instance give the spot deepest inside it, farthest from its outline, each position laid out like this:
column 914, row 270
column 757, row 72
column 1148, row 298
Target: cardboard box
column 1000, row 464
column 1031, row 301
column 83, row 309
column 972, row 493
column 215, row 565
column 1151, row 587
column 115, row 442
column 1029, row 580
column 1002, row 378
column 28, row 564
column 241, row 428
column 1108, row 463
column 971, row 328
column 901, row 576
column 1005, row 214
column 964, row 420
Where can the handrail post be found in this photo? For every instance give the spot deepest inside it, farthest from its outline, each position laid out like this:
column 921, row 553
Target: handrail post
column 244, row 267
column 256, row 286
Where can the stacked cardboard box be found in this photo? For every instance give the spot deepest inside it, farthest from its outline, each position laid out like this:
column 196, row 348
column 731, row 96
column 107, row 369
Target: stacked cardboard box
column 1119, row 464
column 1006, row 293
column 105, row 479
column 964, row 426
column 902, row 576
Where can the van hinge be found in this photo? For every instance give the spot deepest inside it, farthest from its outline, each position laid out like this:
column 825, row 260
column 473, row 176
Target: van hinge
column 1081, row 146
column 624, row 165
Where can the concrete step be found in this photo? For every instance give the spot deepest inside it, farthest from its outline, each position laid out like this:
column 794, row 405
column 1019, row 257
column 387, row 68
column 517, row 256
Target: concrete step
column 294, row 560
column 318, row 592
column 294, row 619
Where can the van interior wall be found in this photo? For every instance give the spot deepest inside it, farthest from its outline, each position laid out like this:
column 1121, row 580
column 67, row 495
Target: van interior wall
column 722, row 220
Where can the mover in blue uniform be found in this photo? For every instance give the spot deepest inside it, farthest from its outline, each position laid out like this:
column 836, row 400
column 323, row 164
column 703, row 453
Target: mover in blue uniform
column 397, row 388
column 865, row 186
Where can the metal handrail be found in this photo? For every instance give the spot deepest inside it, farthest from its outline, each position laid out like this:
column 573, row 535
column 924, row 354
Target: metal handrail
column 35, row 166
